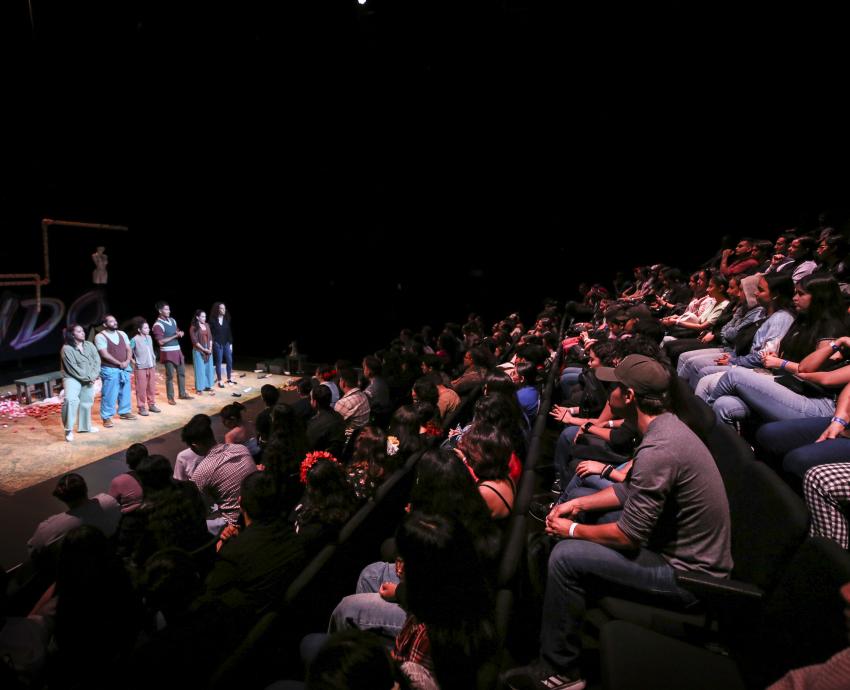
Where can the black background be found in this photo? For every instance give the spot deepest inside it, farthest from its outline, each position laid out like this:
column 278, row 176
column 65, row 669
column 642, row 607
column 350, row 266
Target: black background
column 334, row 173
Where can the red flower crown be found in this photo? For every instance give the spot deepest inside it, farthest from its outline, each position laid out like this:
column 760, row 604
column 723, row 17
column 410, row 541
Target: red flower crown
column 310, row 460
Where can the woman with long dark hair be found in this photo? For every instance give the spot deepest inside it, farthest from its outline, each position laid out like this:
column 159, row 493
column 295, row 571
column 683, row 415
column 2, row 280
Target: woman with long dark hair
column 222, row 341
column 803, row 351
column 202, row 348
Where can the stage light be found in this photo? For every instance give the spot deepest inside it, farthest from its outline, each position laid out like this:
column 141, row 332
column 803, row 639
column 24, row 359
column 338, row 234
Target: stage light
column 361, row 2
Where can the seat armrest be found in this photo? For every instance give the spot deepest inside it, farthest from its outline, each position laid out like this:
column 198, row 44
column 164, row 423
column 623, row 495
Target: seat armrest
column 715, row 590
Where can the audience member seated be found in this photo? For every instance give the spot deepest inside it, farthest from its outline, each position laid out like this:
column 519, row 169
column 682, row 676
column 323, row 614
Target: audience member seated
column 126, row 488
column 221, row 470
column 231, row 418
column 372, row 461
column 271, row 395
column 827, row 492
column 475, row 364
column 487, row 452
column 173, row 514
column 328, row 502
column 326, row 376
column 23, row 644
column 98, row 615
column 301, row 406
column 354, row 404
column 448, row 628
column 102, row 512
column 187, row 460
column 672, row 500
column 286, row 449
column 774, row 294
column 377, row 391
column 804, row 351
column 257, row 562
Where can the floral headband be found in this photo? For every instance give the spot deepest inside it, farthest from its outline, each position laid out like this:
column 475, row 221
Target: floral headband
column 310, row 459
column 392, row 445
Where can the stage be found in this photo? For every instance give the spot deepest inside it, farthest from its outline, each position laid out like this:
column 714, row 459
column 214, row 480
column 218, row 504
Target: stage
column 33, row 450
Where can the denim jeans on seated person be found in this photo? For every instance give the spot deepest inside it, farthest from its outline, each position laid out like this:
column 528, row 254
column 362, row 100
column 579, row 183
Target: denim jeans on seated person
column 578, row 567
column 793, row 440
column 744, row 392
column 366, row 609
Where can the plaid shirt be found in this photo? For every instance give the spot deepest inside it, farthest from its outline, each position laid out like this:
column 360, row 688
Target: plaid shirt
column 219, row 474
column 354, row 408
column 412, row 644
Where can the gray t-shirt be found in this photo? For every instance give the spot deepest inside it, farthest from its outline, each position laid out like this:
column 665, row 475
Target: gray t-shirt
column 674, row 502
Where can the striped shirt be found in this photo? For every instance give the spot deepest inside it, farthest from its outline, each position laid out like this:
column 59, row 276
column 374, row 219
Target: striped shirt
column 220, row 473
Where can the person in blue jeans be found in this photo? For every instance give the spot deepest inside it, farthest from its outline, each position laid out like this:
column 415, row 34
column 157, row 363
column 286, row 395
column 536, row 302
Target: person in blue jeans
column 672, row 499
column 806, row 443
column 115, row 371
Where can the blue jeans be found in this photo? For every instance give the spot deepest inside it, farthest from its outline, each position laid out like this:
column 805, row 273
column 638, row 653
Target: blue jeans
column 367, row 610
column 794, row 441
column 224, row 351
column 564, row 452
column 744, row 391
column 116, row 388
column 690, row 363
column 577, row 567
column 587, row 486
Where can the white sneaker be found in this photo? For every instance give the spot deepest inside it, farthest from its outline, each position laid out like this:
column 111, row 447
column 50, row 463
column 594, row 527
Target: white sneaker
column 69, row 436
column 93, row 430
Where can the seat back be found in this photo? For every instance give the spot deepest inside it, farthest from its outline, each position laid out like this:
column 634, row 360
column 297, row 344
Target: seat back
column 804, row 620
column 731, row 453
column 769, row 522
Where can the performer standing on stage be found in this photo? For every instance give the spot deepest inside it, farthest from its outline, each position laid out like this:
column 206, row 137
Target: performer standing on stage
column 115, row 357
column 199, row 332
column 80, row 369
column 145, row 371
column 222, row 338
column 166, row 333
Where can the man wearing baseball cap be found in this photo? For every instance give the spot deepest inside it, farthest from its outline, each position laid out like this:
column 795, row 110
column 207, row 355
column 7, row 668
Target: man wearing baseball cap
column 675, row 516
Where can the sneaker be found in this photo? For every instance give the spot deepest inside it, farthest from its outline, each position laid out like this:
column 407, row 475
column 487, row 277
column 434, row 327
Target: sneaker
column 231, row 382
column 108, row 423
column 69, row 436
column 143, row 412
column 539, row 510
column 93, row 430
column 220, row 384
column 127, row 415
column 538, row 676
column 556, row 489
column 185, row 397
column 154, row 408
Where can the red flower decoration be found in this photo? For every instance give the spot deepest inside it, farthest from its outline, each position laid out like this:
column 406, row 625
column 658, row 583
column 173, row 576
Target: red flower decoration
column 310, row 460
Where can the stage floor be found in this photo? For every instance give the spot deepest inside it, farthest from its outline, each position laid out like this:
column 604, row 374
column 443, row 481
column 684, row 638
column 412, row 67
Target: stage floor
column 33, row 448
column 21, row 512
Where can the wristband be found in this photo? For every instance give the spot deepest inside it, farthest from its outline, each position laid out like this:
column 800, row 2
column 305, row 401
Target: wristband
column 573, row 529
column 586, row 427
column 784, row 364
column 606, row 472
column 842, row 422
column 610, row 423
